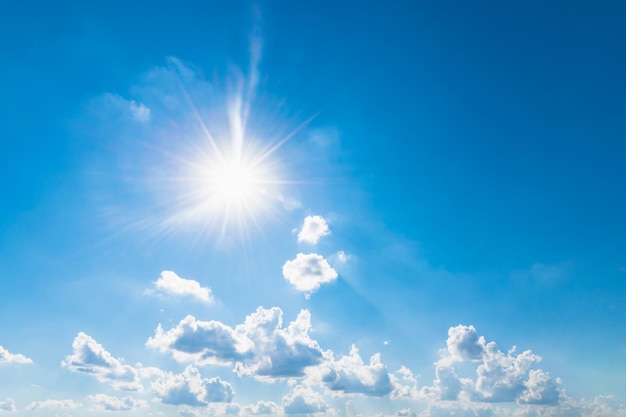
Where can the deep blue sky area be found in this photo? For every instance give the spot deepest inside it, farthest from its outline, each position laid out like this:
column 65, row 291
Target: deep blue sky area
column 229, row 207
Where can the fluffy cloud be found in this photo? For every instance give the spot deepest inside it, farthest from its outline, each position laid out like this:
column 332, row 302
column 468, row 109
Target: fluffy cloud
column 307, row 272
column 351, row 375
column 263, row 407
column 102, row 402
column 303, row 400
column 202, row 342
column 7, row 405
column 404, row 384
column 61, row 404
column 313, row 229
column 260, row 346
column 189, row 388
column 170, row 283
column 501, row 377
column 90, row 357
column 8, row 357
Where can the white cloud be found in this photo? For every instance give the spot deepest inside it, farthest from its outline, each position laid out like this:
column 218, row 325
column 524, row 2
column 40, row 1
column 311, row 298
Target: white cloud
column 350, row 375
column 8, row 357
column 102, row 402
column 313, row 229
column 501, row 377
column 307, row 272
column 342, row 257
column 170, row 283
column 189, row 388
column 404, row 384
column 112, row 105
column 259, row 347
column 7, row 405
column 202, row 342
column 303, row 400
column 62, row 404
column 90, row 357
column 407, row 412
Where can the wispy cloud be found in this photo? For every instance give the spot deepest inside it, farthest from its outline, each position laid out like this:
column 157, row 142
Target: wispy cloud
column 60, row 404
column 103, row 402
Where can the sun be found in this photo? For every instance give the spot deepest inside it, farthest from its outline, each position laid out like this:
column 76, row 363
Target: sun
column 235, row 184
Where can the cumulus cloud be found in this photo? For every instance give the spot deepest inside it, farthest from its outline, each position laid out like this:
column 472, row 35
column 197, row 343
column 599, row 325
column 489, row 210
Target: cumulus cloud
column 303, row 400
column 172, row 284
column 313, row 229
column 91, row 358
column 189, row 388
column 307, row 273
column 404, row 384
column 350, row 375
column 60, row 404
column 7, row 405
column 102, row 402
column 263, row 407
column 8, row 357
column 260, row 346
column 501, row 377
column 202, row 342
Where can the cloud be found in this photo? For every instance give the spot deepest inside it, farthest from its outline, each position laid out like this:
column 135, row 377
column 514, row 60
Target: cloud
column 90, row 357
column 501, row 377
column 202, row 342
column 351, row 375
column 170, row 283
column 303, row 400
column 307, row 272
column 260, row 346
column 113, row 105
column 404, row 384
column 263, row 407
column 8, row 357
column 7, row 405
column 139, row 111
column 313, row 229
column 189, row 388
column 102, row 402
column 62, row 404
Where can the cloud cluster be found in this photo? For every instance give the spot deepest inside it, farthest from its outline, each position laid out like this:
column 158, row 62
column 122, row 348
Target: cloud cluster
column 501, row 377
column 308, row 272
column 91, row 358
column 172, row 284
column 259, row 347
column 8, row 357
column 189, row 388
column 303, row 400
column 313, row 229
column 102, row 402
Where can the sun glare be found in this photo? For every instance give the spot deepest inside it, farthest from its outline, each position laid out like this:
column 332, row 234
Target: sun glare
column 234, row 183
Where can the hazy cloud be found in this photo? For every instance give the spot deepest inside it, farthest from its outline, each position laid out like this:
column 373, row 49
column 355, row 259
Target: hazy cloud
column 307, row 273
column 63, row 404
column 7, row 405
column 313, row 229
column 90, row 357
column 102, row 402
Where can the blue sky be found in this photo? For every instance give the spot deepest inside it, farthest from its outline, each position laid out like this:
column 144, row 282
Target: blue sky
column 287, row 208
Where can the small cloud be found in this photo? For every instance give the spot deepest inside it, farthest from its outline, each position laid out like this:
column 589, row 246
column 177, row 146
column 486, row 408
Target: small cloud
column 91, row 358
column 139, row 111
column 386, row 343
column 102, row 402
column 59, row 404
column 7, row 405
column 170, row 283
column 342, row 257
column 307, row 272
column 313, row 229
column 8, row 357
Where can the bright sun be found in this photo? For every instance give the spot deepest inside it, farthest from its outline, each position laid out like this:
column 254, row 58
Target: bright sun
column 234, row 183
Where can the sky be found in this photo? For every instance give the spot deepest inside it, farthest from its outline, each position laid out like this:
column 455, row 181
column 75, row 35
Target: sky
column 357, row 208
